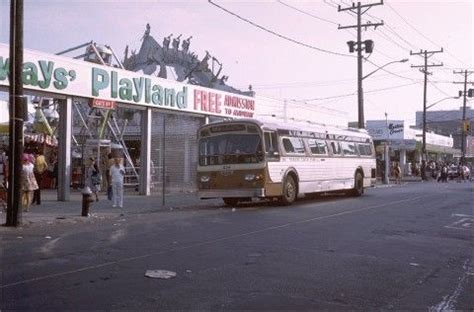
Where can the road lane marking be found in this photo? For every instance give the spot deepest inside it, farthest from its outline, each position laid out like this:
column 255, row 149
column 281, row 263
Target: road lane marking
column 49, row 246
column 462, row 215
column 449, row 301
column 462, row 224
column 209, row 242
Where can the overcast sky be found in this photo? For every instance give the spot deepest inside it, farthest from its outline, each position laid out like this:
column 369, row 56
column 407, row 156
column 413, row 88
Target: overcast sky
column 277, row 67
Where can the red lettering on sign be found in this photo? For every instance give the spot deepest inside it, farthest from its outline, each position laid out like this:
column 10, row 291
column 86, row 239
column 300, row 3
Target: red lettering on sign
column 105, row 104
column 209, row 102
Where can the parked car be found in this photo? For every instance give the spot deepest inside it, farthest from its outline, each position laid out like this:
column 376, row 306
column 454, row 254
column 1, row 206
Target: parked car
column 453, row 172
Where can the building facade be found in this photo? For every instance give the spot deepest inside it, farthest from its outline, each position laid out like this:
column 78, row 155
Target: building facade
column 405, row 144
column 449, row 123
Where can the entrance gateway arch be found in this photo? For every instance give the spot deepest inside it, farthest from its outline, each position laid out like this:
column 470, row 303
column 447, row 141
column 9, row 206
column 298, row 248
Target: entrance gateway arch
column 149, row 107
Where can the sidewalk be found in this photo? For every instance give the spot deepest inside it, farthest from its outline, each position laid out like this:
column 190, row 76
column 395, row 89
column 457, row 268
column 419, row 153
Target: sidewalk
column 52, row 211
column 379, row 182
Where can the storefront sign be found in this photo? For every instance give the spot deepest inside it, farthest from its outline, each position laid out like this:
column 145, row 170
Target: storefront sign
column 104, row 104
column 408, row 145
column 67, row 76
column 386, row 130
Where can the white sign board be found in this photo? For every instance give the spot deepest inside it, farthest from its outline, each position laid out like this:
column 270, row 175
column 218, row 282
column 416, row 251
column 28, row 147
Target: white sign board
column 386, row 130
column 67, row 76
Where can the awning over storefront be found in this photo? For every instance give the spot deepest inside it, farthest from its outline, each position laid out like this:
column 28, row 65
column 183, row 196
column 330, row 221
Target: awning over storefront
column 430, row 148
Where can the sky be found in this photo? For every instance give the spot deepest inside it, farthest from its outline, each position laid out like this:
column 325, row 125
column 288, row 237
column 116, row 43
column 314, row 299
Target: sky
column 276, row 67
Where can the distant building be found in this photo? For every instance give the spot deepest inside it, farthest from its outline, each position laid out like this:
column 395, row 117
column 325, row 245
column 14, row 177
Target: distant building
column 405, row 143
column 448, row 122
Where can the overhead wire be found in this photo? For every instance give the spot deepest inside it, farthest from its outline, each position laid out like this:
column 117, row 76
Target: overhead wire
column 421, row 34
column 307, row 13
column 317, row 83
column 278, row 34
column 334, row 6
column 355, row 93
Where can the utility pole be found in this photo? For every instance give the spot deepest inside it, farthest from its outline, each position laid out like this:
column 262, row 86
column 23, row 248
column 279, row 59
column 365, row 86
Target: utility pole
column 17, row 113
column 424, row 69
column 359, row 46
column 463, row 127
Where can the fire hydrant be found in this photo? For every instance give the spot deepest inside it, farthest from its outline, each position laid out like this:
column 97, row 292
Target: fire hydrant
column 86, row 201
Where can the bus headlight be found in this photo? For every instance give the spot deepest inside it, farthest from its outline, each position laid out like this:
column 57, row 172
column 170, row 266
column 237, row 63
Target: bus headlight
column 249, row 177
column 205, row 178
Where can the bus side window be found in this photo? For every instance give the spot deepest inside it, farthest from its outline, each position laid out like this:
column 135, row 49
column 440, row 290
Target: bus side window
column 336, row 148
column 271, row 144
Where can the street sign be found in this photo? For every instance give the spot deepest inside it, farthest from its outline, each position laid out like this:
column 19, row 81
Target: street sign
column 104, row 104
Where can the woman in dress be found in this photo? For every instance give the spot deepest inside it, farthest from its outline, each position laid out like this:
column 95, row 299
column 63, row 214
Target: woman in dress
column 28, row 181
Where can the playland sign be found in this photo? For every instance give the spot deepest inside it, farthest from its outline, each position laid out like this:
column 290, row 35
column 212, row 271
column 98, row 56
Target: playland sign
column 67, row 76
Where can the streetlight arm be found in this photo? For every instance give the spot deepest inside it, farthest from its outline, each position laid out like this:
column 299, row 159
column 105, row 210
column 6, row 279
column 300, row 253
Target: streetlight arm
column 381, row 67
column 446, row 98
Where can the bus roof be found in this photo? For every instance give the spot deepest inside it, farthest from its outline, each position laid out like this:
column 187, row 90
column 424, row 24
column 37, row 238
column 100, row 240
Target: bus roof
column 299, row 126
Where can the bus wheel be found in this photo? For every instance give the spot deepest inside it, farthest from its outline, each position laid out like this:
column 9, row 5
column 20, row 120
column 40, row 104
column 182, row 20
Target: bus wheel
column 289, row 191
column 230, row 201
column 358, row 184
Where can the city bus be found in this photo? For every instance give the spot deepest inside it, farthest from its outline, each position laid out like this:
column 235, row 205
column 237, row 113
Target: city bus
column 246, row 159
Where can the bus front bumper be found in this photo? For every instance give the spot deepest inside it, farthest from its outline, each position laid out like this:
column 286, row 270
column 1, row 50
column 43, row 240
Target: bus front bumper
column 243, row 193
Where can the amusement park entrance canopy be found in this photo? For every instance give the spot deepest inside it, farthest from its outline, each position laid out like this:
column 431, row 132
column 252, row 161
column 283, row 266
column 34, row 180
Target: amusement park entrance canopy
column 53, row 74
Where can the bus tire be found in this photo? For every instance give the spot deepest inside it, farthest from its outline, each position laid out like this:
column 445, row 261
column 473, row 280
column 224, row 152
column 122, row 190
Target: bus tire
column 290, row 191
column 230, row 201
column 358, row 184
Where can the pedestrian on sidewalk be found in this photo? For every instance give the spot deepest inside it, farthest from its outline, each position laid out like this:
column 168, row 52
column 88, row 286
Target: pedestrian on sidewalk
column 40, row 167
column 397, row 172
column 28, row 182
column 93, row 178
column 117, row 172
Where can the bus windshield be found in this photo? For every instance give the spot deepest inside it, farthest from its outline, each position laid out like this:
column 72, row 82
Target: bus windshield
column 230, row 149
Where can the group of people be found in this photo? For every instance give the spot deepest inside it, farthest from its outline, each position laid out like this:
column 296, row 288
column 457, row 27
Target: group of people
column 115, row 178
column 443, row 171
column 34, row 167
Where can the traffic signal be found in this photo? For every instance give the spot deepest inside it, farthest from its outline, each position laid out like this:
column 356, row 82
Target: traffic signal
column 466, row 126
column 351, row 45
column 369, row 46
column 470, row 93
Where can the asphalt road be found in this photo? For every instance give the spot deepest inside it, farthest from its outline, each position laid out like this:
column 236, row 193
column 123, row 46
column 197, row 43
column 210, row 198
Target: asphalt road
column 402, row 247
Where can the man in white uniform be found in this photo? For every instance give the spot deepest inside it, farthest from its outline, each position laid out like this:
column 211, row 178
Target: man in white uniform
column 117, row 171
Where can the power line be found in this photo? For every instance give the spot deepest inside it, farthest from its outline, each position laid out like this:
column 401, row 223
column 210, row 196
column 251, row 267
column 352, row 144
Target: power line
column 438, row 88
column 307, row 13
column 421, row 34
column 329, row 83
column 355, row 93
column 277, row 34
column 391, row 73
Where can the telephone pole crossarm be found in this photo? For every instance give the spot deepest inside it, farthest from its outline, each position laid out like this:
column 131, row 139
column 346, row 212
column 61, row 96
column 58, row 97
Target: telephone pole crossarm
column 423, row 52
column 362, row 25
column 429, row 65
column 353, row 7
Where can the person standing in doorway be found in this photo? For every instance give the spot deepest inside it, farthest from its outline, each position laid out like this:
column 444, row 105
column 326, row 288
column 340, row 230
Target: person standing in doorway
column 40, row 167
column 117, row 172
